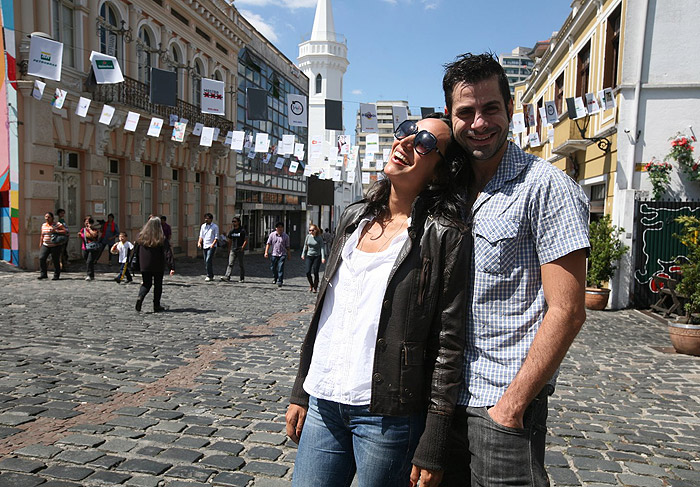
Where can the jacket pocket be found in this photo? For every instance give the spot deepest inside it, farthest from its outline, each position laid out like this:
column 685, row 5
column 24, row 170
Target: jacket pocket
column 423, row 281
column 413, row 353
column 495, row 242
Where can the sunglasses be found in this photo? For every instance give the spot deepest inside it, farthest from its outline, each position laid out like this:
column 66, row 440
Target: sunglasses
column 424, row 142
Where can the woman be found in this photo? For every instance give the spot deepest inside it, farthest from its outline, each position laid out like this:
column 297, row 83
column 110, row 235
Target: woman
column 154, row 253
column 90, row 245
column 378, row 382
column 49, row 245
column 314, row 254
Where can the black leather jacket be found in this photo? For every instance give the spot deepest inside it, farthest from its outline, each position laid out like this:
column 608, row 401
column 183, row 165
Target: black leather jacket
column 420, row 341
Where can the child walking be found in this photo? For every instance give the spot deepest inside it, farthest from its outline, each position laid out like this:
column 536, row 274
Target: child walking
column 123, row 247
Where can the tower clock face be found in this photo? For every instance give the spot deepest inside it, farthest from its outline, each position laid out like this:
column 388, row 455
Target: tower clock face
column 297, row 108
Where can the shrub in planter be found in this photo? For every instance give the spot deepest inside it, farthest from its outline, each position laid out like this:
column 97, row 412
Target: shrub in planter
column 606, row 251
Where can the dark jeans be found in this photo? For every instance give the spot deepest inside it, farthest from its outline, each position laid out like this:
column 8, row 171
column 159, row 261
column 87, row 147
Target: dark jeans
column 277, row 266
column 154, row 279
column 233, row 256
column 209, row 261
column 55, row 253
column 64, row 257
column 313, row 264
column 91, row 257
column 481, row 452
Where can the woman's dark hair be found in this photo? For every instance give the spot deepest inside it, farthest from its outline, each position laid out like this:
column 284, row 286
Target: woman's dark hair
column 49, row 213
column 444, row 196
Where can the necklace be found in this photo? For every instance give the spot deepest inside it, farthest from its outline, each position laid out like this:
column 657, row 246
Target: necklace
column 386, row 240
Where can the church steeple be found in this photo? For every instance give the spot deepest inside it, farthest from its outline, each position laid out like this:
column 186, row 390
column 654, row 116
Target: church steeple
column 324, row 28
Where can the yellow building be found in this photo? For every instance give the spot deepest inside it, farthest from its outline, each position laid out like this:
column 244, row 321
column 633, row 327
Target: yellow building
column 582, row 57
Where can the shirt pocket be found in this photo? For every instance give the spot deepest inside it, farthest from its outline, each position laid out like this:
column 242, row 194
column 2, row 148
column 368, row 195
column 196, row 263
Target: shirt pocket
column 495, row 245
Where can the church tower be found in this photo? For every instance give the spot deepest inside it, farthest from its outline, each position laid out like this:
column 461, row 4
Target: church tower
column 324, row 59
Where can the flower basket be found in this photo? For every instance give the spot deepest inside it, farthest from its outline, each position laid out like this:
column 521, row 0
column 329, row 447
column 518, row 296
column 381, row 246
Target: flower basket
column 682, row 153
column 659, row 174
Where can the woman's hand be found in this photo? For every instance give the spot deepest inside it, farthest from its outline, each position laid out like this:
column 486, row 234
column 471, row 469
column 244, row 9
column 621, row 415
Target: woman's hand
column 172, row 272
column 428, row 478
column 296, row 415
column 302, row 257
column 323, row 261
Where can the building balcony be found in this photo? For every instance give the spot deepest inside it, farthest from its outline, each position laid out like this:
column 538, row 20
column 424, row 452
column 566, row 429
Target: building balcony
column 567, row 138
column 135, row 95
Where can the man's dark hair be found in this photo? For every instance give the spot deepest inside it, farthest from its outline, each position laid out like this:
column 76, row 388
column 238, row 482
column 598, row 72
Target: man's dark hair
column 49, row 213
column 111, row 214
column 163, row 219
column 208, row 215
column 60, row 210
column 235, row 219
column 279, row 224
column 472, row 68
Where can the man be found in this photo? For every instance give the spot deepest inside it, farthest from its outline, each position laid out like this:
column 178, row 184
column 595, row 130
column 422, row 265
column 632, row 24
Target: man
column 530, row 226
column 110, row 232
column 279, row 241
column 61, row 217
column 167, row 230
column 237, row 240
column 327, row 237
column 208, row 236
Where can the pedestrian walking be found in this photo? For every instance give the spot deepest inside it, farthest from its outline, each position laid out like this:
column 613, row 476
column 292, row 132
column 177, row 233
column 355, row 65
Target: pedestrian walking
column 278, row 241
column 123, row 249
column 381, row 363
column 313, row 255
column 530, row 228
column 61, row 217
column 154, row 255
column 90, row 245
column 51, row 241
column 327, row 237
column 110, row 232
column 208, row 238
column 167, row 230
column 237, row 239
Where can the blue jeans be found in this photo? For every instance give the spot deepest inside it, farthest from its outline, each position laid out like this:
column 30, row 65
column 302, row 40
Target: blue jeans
column 338, row 441
column 209, row 261
column 481, row 452
column 277, row 266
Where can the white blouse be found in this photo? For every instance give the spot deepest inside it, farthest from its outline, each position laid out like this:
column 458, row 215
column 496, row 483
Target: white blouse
column 343, row 356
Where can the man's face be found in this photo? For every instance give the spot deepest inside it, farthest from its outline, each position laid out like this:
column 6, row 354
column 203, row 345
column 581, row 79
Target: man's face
column 279, row 229
column 207, row 220
column 480, row 119
column 236, row 223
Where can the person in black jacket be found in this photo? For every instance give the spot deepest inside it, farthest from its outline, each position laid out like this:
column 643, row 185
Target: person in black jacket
column 154, row 253
column 381, row 364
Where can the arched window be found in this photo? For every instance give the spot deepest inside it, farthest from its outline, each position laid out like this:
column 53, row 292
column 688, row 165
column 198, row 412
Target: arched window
column 145, row 57
column 319, row 83
column 109, row 42
column 176, row 61
column 197, row 83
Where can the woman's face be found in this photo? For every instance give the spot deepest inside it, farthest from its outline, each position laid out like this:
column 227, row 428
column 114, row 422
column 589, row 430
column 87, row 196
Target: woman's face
column 408, row 167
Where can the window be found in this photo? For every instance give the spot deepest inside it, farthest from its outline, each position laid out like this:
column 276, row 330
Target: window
column 147, row 184
column 145, row 57
column 179, row 16
column 597, row 199
column 559, row 93
column 109, row 44
column 197, row 84
column 64, row 29
column 112, row 187
column 584, row 67
column 175, row 55
column 319, row 83
column 612, row 49
column 222, row 48
column 67, row 177
column 202, row 34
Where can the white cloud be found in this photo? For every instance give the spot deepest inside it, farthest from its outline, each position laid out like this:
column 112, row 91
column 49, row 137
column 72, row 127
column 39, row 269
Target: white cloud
column 263, row 27
column 431, row 6
column 357, row 92
column 290, row 4
column 393, row 2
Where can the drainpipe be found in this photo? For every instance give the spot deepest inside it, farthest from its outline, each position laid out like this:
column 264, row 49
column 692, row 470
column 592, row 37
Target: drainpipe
column 629, row 169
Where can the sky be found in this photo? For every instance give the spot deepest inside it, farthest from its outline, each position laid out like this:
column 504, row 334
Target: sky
column 397, row 48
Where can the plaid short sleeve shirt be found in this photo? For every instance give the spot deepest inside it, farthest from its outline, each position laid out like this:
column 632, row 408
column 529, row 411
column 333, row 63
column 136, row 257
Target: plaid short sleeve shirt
column 529, row 214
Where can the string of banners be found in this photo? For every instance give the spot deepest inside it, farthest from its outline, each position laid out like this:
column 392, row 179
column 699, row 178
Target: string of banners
column 576, row 107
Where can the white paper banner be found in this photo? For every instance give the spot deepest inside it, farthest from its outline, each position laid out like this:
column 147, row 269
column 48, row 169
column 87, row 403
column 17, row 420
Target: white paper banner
column 106, row 68
column 365, row 178
column 197, row 130
column 543, row 115
column 207, row 136
column 83, row 106
column 217, row 132
column 251, row 154
column 287, row 145
column 518, row 123
column 372, row 144
column 280, row 162
column 179, row 131
column 552, row 115
column 132, row 120
column 293, row 166
column 266, row 158
column 107, row 114
column 296, row 110
column 580, row 107
column 237, row 139
column 38, row 90
column 316, row 146
column 379, row 164
column 299, row 151
column 399, row 114
column 173, row 119
column 155, row 127
column 212, row 96
column 262, row 142
column 592, row 103
column 607, row 99
column 534, row 139
column 337, row 175
column 229, row 138
column 368, row 117
column 45, row 58
column 59, row 98
column 350, row 177
column 530, row 114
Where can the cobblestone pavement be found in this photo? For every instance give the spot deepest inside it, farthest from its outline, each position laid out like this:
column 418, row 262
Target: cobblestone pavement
column 93, row 393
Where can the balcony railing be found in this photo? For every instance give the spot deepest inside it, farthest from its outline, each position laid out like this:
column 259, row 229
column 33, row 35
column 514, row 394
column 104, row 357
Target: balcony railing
column 136, row 95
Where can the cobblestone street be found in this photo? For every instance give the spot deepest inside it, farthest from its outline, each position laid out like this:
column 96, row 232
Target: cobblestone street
column 93, row 393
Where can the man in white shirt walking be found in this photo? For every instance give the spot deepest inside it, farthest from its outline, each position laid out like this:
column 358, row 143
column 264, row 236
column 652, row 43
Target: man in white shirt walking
column 208, row 236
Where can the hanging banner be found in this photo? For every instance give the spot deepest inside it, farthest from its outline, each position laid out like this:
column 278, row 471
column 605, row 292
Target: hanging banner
column 293, row 166
column 552, row 115
column 534, row 139
column 237, row 139
column 83, row 105
column 45, row 58
column 155, row 127
column 163, row 87
column 368, row 117
column 280, row 162
column 296, row 110
column 399, row 114
column 106, row 68
column 207, row 136
column 212, row 96
column 262, row 142
column 543, row 115
column 299, row 151
column 530, row 115
column 287, row 145
column 518, row 123
column 179, row 131
column 372, row 144
column 38, row 90
column 59, row 98
column 607, row 99
column 592, row 103
column 107, row 114
column 197, row 130
column 343, row 145
column 132, row 120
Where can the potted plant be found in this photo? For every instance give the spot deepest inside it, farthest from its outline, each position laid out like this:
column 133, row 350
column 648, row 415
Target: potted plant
column 685, row 337
column 659, row 174
column 606, row 251
column 682, row 153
